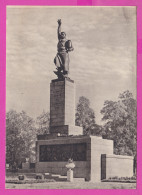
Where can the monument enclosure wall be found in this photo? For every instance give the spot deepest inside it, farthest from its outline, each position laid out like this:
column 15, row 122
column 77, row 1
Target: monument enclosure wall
column 116, row 166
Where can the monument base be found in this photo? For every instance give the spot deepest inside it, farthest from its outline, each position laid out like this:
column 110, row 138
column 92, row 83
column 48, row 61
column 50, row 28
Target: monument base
column 52, row 155
column 70, row 175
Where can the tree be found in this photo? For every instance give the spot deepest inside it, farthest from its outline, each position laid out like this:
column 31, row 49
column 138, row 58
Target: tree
column 42, row 122
column 20, row 137
column 120, row 123
column 85, row 117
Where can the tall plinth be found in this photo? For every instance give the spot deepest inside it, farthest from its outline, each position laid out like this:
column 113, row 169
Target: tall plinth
column 62, row 108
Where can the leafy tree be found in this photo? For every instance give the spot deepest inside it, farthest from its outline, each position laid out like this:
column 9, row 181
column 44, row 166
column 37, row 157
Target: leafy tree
column 120, row 123
column 85, row 117
column 20, row 137
column 42, row 122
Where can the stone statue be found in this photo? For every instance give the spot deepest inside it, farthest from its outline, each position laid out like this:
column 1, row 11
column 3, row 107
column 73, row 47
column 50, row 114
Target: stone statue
column 61, row 60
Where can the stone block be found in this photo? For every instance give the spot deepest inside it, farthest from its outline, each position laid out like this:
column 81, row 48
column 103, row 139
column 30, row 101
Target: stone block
column 75, row 130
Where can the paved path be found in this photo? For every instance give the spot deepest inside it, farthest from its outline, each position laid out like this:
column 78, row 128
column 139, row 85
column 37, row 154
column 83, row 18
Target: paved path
column 74, row 185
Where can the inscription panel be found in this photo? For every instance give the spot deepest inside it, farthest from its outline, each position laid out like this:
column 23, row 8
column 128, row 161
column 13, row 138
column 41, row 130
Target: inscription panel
column 62, row 152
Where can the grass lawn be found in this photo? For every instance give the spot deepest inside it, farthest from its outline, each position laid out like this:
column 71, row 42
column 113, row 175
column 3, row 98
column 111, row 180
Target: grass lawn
column 73, row 185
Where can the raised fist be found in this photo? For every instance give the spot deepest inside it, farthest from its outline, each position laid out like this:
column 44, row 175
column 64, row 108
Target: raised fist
column 59, row 21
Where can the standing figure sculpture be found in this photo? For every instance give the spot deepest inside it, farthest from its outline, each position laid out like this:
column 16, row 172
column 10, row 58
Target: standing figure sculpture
column 62, row 58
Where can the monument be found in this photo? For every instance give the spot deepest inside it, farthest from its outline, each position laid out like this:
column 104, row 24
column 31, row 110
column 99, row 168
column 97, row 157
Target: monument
column 93, row 156
column 62, row 58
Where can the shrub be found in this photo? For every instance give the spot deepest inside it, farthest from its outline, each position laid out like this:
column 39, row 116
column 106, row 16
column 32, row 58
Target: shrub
column 39, row 176
column 21, row 177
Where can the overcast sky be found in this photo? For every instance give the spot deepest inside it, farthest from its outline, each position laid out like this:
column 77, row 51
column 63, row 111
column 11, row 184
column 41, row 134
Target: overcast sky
column 103, row 63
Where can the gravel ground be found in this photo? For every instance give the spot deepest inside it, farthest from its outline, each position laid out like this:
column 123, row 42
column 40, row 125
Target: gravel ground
column 73, row 185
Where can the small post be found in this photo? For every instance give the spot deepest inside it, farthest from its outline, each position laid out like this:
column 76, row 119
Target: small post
column 70, row 166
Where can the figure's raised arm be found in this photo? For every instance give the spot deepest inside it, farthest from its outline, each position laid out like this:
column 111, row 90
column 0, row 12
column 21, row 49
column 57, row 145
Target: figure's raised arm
column 59, row 28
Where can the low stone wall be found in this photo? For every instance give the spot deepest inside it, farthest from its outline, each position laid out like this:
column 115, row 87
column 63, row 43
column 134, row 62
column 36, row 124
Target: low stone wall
column 116, row 166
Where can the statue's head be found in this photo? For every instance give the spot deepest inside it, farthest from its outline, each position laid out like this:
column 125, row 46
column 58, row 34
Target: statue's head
column 63, row 35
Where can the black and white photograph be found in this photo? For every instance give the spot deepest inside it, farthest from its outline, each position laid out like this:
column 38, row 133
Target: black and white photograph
column 71, row 97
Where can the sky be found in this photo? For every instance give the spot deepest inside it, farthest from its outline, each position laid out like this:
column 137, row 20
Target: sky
column 103, row 63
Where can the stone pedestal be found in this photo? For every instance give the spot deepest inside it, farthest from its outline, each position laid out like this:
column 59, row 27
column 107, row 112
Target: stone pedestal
column 70, row 175
column 62, row 108
column 93, row 156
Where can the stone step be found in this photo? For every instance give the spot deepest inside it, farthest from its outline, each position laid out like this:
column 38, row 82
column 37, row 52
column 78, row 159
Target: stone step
column 55, row 176
column 79, row 179
column 58, row 177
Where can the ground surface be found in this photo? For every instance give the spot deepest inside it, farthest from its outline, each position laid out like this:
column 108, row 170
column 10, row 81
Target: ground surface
column 73, row 185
